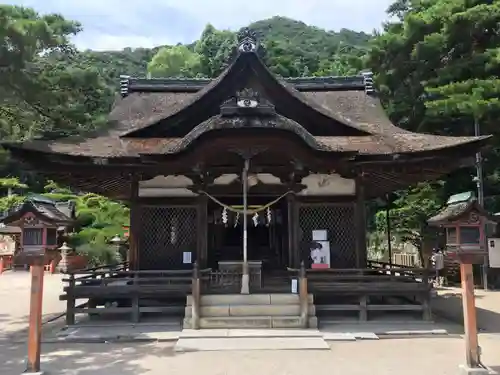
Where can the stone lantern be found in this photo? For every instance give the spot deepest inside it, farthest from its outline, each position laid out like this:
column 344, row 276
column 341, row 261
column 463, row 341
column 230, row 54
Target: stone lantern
column 65, row 251
column 117, row 242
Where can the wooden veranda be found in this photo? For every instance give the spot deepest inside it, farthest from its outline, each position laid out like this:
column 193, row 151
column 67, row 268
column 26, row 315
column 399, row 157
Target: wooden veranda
column 134, row 293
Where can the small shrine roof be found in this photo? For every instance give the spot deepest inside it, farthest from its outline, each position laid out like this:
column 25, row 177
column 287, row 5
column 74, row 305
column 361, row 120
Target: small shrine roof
column 44, row 208
column 457, row 207
column 7, row 229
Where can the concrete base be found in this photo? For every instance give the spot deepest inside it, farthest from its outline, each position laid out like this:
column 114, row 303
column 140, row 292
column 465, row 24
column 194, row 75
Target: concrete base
column 465, row 370
column 250, row 343
column 33, row 373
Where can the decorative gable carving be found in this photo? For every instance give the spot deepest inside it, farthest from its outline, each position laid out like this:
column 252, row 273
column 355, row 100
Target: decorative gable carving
column 247, row 102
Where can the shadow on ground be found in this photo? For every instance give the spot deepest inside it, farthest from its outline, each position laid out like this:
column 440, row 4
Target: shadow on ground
column 81, row 359
column 449, row 306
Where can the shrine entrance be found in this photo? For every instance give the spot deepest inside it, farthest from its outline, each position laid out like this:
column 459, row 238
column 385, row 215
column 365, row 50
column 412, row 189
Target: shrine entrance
column 267, row 233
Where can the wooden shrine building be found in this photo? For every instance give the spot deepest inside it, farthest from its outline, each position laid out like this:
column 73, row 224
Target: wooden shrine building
column 41, row 222
column 318, row 149
column 176, row 147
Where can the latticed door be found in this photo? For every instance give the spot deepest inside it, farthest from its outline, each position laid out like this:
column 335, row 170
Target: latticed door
column 165, row 234
column 339, row 222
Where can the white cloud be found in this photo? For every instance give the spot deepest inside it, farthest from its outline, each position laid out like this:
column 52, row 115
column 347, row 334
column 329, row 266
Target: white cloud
column 115, row 24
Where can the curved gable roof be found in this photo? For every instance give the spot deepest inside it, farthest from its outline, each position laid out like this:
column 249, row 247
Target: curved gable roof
column 169, row 113
column 336, row 114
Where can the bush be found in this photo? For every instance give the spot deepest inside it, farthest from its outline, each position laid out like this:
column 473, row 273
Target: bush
column 99, row 254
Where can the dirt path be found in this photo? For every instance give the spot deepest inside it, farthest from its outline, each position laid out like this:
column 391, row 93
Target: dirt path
column 448, row 304
column 15, row 300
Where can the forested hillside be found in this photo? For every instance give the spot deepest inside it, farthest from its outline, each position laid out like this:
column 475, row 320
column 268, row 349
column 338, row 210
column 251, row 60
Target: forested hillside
column 436, row 67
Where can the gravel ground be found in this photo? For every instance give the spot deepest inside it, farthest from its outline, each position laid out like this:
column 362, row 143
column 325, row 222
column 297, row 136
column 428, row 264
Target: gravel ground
column 390, row 356
column 436, row 355
column 15, row 300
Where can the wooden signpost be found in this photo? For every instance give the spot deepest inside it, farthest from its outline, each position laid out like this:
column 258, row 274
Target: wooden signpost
column 37, row 261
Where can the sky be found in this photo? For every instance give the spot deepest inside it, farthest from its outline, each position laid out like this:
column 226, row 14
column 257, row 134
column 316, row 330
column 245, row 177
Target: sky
column 115, row 24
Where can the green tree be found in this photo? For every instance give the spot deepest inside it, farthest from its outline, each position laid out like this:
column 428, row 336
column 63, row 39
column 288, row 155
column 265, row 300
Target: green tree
column 177, row 61
column 409, row 214
column 437, row 70
column 11, row 184
column 40, row 94
column 214, row 48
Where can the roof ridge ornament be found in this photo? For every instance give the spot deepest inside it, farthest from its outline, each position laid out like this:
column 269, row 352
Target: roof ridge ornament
column 368, row 81
column 124, row 85
column 247, row 102
column 247, row 40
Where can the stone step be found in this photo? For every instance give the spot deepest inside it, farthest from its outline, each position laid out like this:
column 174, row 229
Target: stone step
column 250, row 310
column 250, row 322
column 248, row 299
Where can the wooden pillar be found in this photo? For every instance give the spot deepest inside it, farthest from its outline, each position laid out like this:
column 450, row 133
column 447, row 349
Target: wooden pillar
column 70, row 300
column 202, row 231
column 470, row 320
column 134, row 223
column 44, row 237
column 360, row 224
column 296, row 253
column 35, row 317
column 290, row 223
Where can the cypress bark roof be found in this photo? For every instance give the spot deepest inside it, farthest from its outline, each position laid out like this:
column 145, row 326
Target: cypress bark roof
column 330, row 114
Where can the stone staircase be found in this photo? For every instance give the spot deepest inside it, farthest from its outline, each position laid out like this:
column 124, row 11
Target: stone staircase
column 252, row 311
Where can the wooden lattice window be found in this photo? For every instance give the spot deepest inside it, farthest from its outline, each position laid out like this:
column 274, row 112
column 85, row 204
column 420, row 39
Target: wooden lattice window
column 165, row 234
column 51, row 236
column 32, row 236
column 338, row 221
column 470, row 235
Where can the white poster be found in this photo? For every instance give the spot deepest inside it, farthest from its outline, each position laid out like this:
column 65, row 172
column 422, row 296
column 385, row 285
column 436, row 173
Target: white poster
column 320, row 254
column 320, row 235
column 186, row 257
column 295, row 286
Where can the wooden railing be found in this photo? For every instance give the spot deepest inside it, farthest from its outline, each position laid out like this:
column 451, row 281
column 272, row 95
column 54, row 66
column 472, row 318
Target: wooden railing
column 120, row 290
column 366, row 285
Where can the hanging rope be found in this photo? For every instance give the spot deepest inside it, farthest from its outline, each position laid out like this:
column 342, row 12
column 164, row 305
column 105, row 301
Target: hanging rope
column 249, row 211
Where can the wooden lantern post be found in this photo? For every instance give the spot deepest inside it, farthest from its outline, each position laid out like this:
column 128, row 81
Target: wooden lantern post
column 465, row 221
column 37, row 261
column 472, row 350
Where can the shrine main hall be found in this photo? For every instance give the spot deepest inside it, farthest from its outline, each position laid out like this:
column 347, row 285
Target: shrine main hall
column 309, row 152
